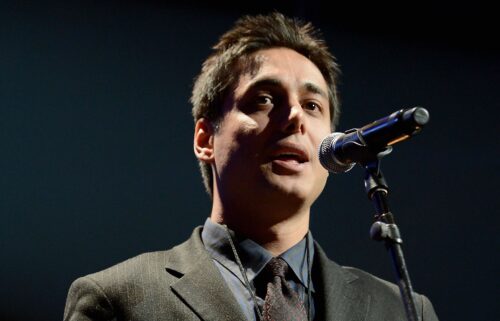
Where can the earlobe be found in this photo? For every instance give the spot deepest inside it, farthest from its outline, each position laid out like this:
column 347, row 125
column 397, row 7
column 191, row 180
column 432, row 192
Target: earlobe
column 203, row 140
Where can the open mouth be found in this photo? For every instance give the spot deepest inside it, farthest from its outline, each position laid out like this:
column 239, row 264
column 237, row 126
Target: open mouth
column 291, row 154
column 290, row 157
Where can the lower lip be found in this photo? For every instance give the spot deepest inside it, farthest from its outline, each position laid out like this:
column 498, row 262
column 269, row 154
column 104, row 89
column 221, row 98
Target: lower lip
column 287, row 166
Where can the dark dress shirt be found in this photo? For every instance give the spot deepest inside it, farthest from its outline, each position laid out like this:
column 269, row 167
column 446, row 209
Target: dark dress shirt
column 254, row 258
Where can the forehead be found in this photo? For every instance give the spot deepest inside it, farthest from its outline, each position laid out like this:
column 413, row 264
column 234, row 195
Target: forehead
column 280, row 63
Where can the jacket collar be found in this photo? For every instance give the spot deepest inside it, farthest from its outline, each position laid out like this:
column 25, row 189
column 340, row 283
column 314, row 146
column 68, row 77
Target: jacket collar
column 200, row 284
column 203, row 289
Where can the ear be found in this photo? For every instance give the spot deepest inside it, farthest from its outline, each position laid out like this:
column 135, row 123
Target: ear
column 203, row 142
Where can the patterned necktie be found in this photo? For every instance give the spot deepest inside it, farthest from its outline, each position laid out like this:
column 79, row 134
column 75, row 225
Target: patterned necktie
column 282, row 303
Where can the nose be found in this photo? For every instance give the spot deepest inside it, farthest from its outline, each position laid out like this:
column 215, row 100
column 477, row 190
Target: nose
column 294, row 122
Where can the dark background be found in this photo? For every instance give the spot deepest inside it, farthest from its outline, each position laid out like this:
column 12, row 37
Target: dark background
column 96, row 141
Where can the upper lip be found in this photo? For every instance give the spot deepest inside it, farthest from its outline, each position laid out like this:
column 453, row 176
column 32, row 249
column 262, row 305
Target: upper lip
column 290, row 149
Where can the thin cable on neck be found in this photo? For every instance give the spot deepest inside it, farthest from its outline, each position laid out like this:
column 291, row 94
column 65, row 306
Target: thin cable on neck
column 309, row 272
column 243, row 273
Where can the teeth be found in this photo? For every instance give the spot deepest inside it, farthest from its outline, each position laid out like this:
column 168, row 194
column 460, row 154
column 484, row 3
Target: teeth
column 292, row 157
column 289, row 155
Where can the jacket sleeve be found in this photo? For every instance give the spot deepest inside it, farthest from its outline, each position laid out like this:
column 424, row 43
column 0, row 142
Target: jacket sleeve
column 428, row 313
column 87, row 301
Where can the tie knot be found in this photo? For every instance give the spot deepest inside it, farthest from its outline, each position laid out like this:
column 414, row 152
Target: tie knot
column 277, row 267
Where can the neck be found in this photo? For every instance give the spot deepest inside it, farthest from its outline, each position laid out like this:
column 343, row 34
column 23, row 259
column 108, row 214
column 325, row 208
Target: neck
column 276, row 234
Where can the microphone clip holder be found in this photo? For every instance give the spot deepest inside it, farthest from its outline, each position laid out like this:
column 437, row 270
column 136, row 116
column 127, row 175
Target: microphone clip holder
column 385, row 232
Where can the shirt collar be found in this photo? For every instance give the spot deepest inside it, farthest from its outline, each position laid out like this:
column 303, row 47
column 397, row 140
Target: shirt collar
column 253, row 256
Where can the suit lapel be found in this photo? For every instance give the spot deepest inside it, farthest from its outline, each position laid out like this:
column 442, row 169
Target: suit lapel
column 201, row 286
column 342, row 298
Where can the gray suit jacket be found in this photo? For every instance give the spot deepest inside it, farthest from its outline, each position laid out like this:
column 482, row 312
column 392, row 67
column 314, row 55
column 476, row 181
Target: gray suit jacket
column 184, row 284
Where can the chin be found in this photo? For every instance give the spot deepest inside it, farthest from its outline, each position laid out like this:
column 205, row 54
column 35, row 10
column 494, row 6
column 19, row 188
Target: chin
column 298, row 189
column 292, row 190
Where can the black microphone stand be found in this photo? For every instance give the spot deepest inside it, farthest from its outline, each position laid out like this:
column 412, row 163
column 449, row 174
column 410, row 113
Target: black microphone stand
column 385, row 229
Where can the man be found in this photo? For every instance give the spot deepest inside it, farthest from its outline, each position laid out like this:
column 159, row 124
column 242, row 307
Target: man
column 262, row 103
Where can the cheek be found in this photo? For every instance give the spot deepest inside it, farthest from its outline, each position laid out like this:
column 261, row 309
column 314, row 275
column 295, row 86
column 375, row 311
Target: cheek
column 235, row 138
column 321, row 178
column 324, row 174
column 246, row 133
column 320, row 131
column 246, row 125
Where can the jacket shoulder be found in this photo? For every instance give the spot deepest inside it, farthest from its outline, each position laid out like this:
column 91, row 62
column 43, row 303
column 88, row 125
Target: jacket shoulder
column 386, row 295
column 151, row 266
column 131, row 286
column 132, row 267
column 96, row 296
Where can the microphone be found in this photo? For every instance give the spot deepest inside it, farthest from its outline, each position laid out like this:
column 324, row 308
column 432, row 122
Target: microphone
column 339, row 152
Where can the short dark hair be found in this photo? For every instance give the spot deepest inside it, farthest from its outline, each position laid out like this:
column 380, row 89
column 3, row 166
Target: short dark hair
column 250, row 34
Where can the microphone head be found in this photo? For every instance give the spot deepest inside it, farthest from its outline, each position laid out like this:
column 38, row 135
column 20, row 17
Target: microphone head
column 417, row 116
column 327, row 156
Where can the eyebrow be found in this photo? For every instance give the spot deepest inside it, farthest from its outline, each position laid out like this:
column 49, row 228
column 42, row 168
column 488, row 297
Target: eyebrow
column 274, row 82
column 315, row 89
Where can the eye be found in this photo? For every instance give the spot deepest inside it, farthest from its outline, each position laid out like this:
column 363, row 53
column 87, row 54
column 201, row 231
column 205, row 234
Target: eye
column 264, row 100
column 311, row 105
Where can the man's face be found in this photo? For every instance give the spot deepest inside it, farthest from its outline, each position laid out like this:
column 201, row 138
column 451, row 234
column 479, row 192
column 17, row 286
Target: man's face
column 266, row 146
